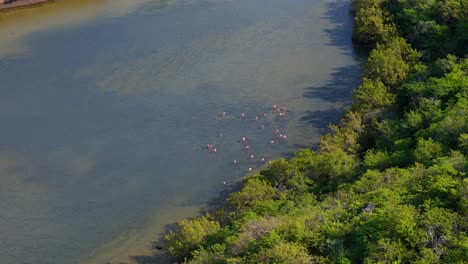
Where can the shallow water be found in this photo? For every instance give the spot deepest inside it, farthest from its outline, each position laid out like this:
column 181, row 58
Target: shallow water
column 104, row 117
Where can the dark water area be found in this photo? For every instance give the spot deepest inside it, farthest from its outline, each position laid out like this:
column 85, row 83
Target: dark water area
column 105, row 122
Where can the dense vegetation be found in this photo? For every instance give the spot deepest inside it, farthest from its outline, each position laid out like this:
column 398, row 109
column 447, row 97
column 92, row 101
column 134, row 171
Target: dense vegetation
column 388, row 184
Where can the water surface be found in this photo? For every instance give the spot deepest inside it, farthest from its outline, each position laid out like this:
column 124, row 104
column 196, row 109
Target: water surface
column 104, row 116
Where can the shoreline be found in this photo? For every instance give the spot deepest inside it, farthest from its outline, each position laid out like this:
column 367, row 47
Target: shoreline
column 22, row 3
column 141, row 244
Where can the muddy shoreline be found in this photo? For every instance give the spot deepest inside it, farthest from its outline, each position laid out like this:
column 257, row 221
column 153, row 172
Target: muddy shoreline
column 21, row 3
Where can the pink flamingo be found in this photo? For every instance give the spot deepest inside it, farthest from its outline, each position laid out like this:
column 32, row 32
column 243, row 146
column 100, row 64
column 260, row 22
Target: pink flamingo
column 243, row 139
column 247, row 147
column 251, row 156
column 272, row 142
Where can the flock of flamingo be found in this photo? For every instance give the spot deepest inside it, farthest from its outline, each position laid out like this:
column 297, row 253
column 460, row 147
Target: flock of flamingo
column 277, row 136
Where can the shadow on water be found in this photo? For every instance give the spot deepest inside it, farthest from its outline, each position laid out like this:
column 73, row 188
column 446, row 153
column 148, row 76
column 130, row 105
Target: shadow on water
column 322, row 118
column 160, row 255
column 338, row 14
column 337, row 90
column 155, row 259
column 338, row 87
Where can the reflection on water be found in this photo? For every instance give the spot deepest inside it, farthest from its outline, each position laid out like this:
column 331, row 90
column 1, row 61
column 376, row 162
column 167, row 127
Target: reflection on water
column 16, row 24
column 103, row 138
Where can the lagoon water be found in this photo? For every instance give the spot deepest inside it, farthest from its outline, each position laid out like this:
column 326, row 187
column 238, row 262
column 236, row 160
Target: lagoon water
column 104, row 112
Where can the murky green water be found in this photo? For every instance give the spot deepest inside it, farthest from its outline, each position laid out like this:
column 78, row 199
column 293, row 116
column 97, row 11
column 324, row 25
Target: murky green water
column 103, row 120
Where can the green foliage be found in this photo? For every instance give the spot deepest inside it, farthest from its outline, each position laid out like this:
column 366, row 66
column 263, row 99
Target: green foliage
column 452, row 11
column 463, row 142
column 333, row 168
column 390, row 63
column 284, row 253
column 440, row 228
column 373, row 94
column 278, row 172
column 428, row 35
column 188, row 235
column 427, row 149
column 254, row 192
column 386, row 251
column 213, row 255
column 395, row 223
column 452, row 125
column 442, row 187
column 345, row 136
column 371, row 25
column 415, row 120
column 378, row 159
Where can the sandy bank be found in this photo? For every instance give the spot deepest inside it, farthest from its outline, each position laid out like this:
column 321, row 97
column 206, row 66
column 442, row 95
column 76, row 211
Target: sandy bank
column 20, row 3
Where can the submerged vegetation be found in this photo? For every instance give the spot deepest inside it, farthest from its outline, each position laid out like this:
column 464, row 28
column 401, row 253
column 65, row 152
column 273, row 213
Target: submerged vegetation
column 388, row 184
